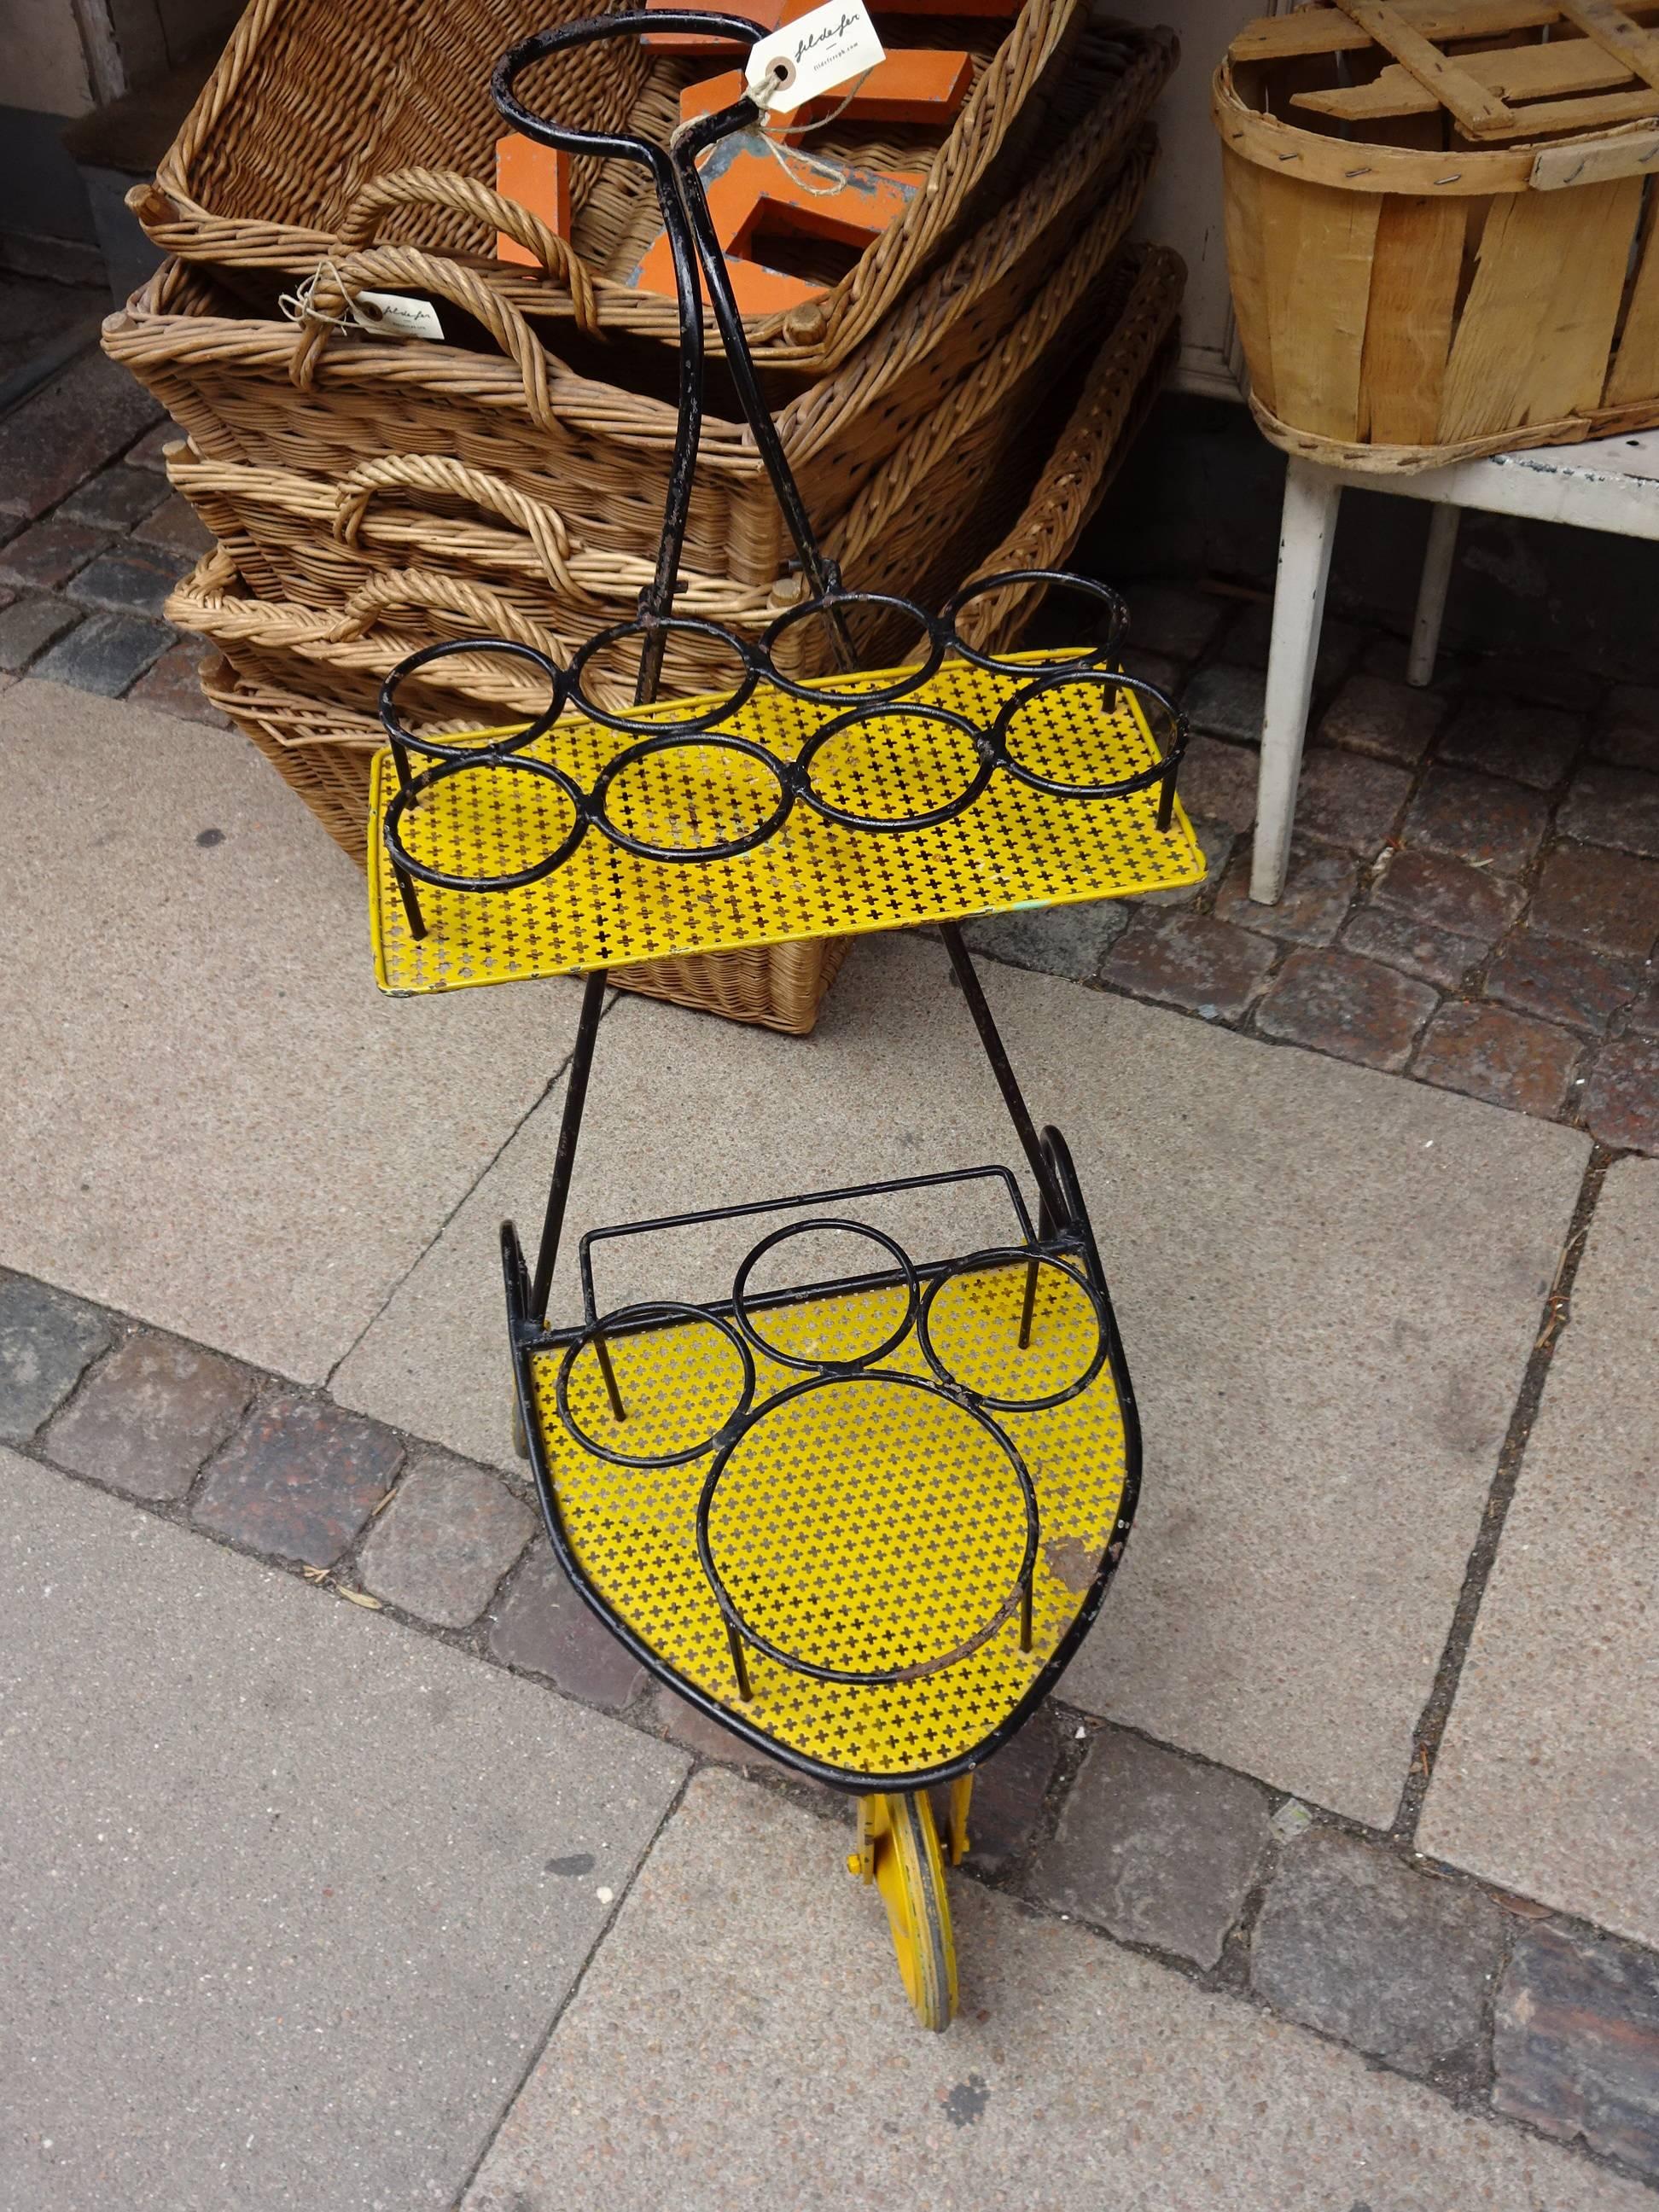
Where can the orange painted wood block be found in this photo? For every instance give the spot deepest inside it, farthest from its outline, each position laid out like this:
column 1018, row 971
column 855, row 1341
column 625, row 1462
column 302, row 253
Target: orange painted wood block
column 537, row 177
column 773, row 15
column 770, row 15
column 754, row 191
column 914, row 85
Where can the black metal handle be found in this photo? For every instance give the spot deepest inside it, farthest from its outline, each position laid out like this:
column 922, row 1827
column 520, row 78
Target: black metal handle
column 658, row 598
column 691, row 240
column 592, row 28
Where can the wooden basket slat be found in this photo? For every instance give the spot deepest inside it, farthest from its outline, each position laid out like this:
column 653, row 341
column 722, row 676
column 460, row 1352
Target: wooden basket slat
column 1536, row 332
column 1245, row 232
column 1318, row 274
column 1330, row 31
column 1400, row 307
column 1639, row 341
column 1566, row 65
column 1408, row 321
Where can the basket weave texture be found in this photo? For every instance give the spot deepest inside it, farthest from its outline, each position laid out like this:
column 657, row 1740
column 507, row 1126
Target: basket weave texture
column 321, row 588
column 323, row 749
column 371, row 495
column 252, row 387
column 324, row 130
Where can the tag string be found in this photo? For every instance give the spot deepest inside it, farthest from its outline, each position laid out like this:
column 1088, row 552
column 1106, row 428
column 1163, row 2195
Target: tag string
column 300, row 306
column 799, row 166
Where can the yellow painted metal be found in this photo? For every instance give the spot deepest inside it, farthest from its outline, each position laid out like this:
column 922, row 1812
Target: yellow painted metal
column 1011, row 848
column 867, row 1525
column 909, row 1872
column 962, row 1792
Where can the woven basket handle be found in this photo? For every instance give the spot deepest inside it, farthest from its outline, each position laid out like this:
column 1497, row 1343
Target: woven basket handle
column 447, row 188
column 481, row 611
column 544, row 525
column 407, row 269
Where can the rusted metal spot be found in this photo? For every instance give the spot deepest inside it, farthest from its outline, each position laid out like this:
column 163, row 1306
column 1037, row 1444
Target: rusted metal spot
column 1070, row 1561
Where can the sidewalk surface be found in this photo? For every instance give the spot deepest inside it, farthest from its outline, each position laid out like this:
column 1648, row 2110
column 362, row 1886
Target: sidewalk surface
column 349, row 1865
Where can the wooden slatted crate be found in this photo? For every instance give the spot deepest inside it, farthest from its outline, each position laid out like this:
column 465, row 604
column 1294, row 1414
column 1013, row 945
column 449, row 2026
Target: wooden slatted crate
column 1440, row 219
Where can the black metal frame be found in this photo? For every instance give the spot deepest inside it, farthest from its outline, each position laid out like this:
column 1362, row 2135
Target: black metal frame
column 696, row 250
column 1062, row 1236
column 989, row 744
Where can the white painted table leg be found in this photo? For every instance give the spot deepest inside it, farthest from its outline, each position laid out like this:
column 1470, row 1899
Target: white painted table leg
column 1443, row 519
column 1307, row 532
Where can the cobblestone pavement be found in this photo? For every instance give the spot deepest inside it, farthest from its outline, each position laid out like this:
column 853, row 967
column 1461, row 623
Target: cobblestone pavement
column 1500, row 2004
column 1474, row 904
column 1474, row 892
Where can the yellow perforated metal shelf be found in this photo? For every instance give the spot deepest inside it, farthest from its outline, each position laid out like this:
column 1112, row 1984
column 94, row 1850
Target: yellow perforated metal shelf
column 1012, row 848
column 866, row 1526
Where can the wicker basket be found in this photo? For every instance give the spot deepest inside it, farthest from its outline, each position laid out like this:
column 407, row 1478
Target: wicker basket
column 917, row 527
column 323, row 750
column 323, row 128
column 1409, row 289
column 333, row 573
column 255, row 390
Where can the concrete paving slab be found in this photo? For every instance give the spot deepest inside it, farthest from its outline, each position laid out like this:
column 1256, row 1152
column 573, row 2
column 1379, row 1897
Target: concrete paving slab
column 685, row 1111
column 1548, row 1778
column 280, row 1927
column 742, row 2041
column 1329, row 1281
column 210, row 1118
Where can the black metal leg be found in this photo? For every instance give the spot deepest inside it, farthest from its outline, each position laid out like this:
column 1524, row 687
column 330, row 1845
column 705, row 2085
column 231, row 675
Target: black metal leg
column 821, row 573
column 602, row 1353
column 406, row 882
column 1028, row 1305
column 410, row 898
column 996, row 1052
column 734, row 1644
column 1045, row 1231
column 564, row 1160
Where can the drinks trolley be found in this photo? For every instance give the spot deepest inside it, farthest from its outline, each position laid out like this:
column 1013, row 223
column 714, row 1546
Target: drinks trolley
column 863, row 1522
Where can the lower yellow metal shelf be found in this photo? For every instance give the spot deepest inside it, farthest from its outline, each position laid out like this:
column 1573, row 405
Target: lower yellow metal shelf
column 865, row 1522
column 1013, row 846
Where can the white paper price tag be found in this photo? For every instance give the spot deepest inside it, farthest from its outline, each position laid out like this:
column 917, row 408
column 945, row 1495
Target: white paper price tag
column 812, row 56
column 405, row 319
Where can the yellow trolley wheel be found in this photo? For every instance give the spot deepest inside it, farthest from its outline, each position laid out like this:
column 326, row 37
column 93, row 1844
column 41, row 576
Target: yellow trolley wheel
column 899, row 1850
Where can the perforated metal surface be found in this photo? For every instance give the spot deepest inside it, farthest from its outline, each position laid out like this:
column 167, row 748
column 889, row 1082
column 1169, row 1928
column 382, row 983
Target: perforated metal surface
column 1013, row 846
column 864, row 1524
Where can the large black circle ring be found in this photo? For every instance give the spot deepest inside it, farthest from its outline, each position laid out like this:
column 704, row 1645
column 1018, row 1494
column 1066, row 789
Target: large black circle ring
column 406, row 795
column 894, row 1249
column 792, row 1661
column 866, row 711
column 1000, row 1255
column 1101, row 678
column 652, row 1309
column 675, row 741
column 1000, row 664
column 444, row 747
column 642, row 721
column 820, row 689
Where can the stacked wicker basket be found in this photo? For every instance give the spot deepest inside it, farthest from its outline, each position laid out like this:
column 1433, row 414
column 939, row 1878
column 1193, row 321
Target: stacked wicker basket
column 953, row 403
